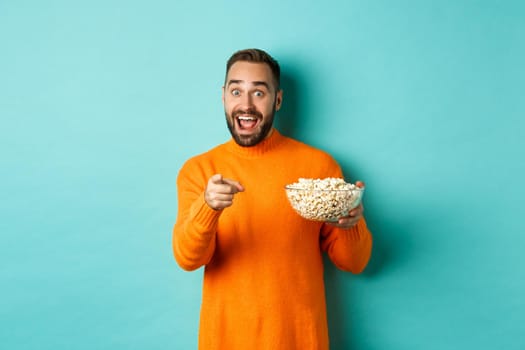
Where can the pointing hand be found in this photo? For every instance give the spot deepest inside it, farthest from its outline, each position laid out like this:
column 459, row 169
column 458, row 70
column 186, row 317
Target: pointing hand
column 220, row 192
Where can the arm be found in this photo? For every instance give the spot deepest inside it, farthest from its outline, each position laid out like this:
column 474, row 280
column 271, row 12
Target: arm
column 350, row 248
column 195, row 229
column 349, row 242
column 200, row 207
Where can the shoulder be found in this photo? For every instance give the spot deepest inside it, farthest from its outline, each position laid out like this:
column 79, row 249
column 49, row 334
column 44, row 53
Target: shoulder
column 319, row 162
column 200, row 157
column 302, row 148
column 201, row 163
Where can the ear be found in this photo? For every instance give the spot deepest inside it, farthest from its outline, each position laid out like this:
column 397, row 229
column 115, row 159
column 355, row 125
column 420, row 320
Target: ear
column 278, row 99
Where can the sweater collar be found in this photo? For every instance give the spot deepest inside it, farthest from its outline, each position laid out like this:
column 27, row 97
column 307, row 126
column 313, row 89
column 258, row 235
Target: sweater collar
column 265, row 146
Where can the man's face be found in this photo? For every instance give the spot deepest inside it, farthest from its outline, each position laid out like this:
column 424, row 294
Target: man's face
column 250, row 99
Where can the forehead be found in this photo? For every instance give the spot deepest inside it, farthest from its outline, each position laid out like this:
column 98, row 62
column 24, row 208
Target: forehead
column 250, row 72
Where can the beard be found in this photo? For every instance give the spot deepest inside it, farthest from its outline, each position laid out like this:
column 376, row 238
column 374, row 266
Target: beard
column 250, row 140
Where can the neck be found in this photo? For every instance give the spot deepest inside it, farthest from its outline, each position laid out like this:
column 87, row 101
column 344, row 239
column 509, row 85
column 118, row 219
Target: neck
column 273, row 139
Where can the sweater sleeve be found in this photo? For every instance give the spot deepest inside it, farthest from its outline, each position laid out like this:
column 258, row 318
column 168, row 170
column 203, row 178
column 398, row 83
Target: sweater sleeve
column 349, row 249
column 195, row 229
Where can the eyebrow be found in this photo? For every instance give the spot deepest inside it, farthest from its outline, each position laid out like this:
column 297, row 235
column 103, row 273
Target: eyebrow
column 256, row 83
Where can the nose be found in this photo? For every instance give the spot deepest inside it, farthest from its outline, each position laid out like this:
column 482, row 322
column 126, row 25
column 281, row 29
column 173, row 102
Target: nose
column 247, row 101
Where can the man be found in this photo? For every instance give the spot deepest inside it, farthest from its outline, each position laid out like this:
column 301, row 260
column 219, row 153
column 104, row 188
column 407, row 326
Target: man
column 263, row 281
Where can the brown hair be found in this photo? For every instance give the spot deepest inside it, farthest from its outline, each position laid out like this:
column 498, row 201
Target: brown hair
column 256, row 56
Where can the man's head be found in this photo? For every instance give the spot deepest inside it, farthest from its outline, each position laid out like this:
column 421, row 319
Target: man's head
column 251, row 95
column 256, row 56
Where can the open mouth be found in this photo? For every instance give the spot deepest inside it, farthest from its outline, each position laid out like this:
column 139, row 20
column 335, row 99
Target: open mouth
column 247, row 122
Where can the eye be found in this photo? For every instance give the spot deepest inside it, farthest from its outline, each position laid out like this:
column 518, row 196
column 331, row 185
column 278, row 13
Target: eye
column 258, row 93
column 236, row 92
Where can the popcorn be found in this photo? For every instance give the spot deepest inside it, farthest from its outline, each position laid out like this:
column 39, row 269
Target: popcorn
column 323, row 199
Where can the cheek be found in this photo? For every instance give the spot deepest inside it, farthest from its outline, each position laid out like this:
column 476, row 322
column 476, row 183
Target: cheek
column 227, row 105
column 267, row 107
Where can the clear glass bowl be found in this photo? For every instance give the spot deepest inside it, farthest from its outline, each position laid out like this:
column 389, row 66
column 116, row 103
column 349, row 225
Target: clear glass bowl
column 323, row 205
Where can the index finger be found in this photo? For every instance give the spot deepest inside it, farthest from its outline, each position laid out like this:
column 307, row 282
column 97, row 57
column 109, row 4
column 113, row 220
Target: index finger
column 235, row 184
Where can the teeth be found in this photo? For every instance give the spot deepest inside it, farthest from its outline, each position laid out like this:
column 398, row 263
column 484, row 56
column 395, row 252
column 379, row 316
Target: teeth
column 247, row 118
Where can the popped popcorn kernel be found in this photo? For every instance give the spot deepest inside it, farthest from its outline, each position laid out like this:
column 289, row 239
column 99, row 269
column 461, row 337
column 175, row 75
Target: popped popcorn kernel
column 323, row 199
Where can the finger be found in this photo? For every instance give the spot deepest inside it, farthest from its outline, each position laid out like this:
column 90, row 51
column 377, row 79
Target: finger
column 221, row 204
column 356, row 211
column 347, row 222
column 219, row 201
column 360, row 184
column 216, row 179
column 225, row 189
column 237, row 187
column 343, row 224
column 222, row 196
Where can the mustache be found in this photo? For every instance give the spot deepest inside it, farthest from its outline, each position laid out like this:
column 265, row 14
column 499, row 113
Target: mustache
column 250, row 111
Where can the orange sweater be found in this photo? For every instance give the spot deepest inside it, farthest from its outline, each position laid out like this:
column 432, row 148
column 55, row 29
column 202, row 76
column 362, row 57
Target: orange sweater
column 263, row 280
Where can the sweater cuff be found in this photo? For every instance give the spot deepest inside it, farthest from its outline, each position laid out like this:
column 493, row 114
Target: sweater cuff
column 203, row 215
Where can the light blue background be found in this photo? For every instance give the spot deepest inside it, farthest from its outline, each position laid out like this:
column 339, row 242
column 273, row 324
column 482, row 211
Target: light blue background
column 102, row 101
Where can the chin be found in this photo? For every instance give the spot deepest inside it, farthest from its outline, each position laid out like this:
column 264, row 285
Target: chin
column 251, row 140
column 247, row 141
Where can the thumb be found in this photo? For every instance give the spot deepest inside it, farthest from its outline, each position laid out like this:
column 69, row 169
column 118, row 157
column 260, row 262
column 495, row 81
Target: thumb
column 216, row 179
